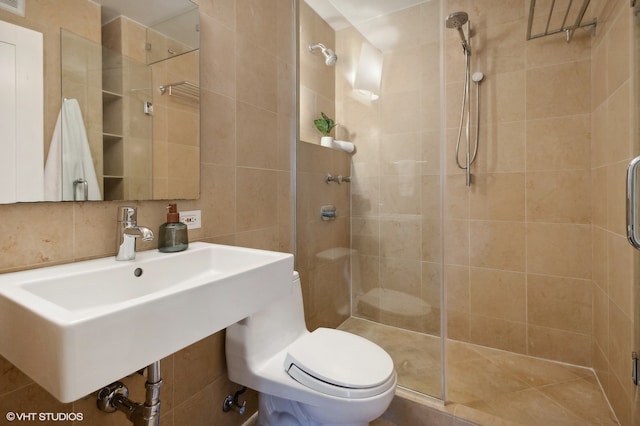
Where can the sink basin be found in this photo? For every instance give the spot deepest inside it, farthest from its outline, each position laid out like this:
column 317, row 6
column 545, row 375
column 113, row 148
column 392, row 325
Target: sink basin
column 77, row 327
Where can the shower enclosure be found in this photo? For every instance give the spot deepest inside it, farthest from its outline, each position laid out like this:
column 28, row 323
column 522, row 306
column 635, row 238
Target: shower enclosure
column 531, row 260
column 393, row 263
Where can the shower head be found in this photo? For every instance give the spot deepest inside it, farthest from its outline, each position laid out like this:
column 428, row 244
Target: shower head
column 330, row 58
column 456, row 20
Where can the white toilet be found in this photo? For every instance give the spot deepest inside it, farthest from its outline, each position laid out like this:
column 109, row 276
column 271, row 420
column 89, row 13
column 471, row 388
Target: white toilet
column 326, row 377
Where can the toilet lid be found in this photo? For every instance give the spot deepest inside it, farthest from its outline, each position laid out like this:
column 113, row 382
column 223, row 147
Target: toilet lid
column 340, row 364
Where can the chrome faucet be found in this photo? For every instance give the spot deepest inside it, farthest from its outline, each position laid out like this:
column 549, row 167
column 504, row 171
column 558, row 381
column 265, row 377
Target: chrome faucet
column 127, row 232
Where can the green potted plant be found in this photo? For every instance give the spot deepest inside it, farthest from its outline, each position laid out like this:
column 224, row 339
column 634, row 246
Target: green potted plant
column 324, row 126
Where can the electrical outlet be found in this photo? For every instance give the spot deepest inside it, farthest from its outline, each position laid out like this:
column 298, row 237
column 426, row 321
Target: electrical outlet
column 192, row 218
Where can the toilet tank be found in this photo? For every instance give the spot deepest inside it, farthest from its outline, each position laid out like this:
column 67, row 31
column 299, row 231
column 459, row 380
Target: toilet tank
column 255, row 339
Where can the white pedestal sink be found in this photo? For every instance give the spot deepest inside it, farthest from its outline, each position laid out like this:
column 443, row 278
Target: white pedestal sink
column 77, row 327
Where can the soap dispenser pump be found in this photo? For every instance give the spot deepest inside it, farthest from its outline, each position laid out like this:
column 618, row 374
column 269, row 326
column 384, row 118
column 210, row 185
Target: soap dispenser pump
column 173, row 235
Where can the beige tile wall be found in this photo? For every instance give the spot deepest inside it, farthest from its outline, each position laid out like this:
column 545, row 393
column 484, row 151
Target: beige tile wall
column 176, row 136
column 243, row 201
column 323, row 247
column 613, row 146
column 515, row 241
column 323, row 254
column 317, row 81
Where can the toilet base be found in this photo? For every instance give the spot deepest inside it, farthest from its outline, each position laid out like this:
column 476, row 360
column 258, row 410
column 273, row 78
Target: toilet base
column 274, row 411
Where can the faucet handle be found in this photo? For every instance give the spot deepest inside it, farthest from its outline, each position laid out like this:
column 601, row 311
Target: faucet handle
column 128, row 214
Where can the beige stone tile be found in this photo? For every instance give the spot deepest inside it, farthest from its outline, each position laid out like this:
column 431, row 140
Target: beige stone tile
column 505, row 103
column 400, row 112
column 458, row 290
column 497, row 245
column 432, row 242
column 96, row 241
column 365, row 235
column 11, row 378
column 531, row 407
column 431, row 141
column 218, row 45
column 218, row 137
column 620, row 345
column 619, row 39
column 558, row 90
column 400, row 237
column 313, row 158
column 559, row 345
column 431, row 201
column 618, row 130
column 498, row 196
column 432, row 284
column 621, row 273
column 560, row 197
column 402, row 411
column 401, row 274
column 503, row 148
column 558, row 249
column 218, row 200
column 30, row 240
column 598, row 74
column 458, row 325
column 399, row 154
column 600, row 259
column 498, row 294
column 620, row 401
column 599, row 137
column 456, row 198
column 479, row 379
column 198, row 365
column 257, row 21
column 616, row 198
column 203, row 405
column 33, row 399
column 256, row 137
column 498, row 333
column 559, row 143
column 562, row 303
column 583, row 398
column 264, row 238
column 538, row 372
column 400, row 195
column 599, row 197
column 401, row 71
column 601, row 320
column 256, row 86
column 503, row 47
column 256, row 195
column 456, row 242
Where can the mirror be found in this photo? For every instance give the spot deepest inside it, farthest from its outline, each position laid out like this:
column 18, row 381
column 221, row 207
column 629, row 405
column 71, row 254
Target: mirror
column 121, row 99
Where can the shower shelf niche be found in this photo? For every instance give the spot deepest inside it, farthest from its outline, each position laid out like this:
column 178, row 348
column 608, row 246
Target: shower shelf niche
column 558, row 20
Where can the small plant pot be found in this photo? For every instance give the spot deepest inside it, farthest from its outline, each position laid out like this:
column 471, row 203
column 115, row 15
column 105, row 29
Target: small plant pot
column 326, row 141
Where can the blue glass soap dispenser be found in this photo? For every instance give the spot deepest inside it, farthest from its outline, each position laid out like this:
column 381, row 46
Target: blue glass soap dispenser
column 172, row 235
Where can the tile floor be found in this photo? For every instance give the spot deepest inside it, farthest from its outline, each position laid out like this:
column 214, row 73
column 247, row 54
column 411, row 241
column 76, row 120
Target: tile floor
column 489, row 386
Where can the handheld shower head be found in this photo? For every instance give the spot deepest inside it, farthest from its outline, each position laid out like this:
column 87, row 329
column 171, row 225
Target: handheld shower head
column 330, row 58
column 456, row 20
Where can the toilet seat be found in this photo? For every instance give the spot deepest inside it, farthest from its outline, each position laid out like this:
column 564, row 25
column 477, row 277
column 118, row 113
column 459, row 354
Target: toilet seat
column 340, row 364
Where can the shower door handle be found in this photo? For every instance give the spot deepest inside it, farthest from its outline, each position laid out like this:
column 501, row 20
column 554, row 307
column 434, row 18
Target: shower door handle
column 632, row 203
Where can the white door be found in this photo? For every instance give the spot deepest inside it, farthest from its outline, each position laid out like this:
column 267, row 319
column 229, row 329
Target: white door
column 21, row 114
